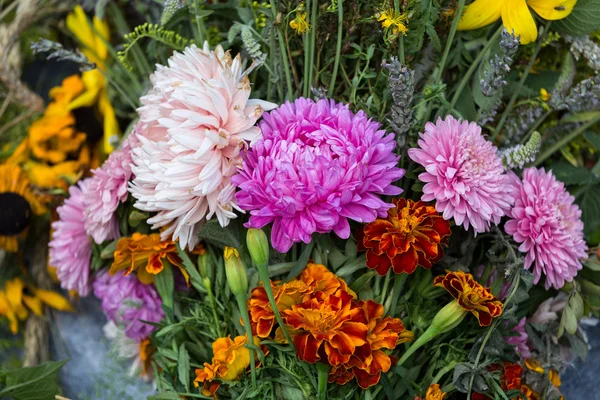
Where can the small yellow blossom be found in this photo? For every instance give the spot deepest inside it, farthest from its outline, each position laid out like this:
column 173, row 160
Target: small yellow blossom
column 299, row 24
column 544, row 95
column 390, row 19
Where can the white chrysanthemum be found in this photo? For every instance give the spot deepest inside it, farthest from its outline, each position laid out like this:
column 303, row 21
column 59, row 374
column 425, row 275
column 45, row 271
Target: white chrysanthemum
column 195, row 121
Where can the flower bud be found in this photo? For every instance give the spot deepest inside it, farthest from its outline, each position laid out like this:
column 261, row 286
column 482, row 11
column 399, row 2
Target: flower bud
column 235, row 271
column 447, row 318
column 258, row 246
column 205, row 267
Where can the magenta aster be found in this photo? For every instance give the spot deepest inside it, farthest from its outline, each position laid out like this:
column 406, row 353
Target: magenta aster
column 70, row 247
column 106, row 190
column 317, row 165
column 463, row 174
column 127, row 302
column 548, row 225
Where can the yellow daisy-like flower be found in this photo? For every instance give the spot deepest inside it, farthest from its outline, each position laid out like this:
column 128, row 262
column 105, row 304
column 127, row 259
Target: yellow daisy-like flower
column 299, row 24
column 516, row 15
column 93, row 38
column 390, row 19
column 17, row 202
column 16, row 300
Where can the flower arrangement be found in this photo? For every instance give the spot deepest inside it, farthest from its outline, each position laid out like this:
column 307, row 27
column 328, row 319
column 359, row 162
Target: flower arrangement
column 311, row 200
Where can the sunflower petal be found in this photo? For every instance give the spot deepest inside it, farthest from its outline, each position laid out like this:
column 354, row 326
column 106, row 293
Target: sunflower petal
column 552, row 9
column 480, row 13
column 54, row 300
column 517, row 17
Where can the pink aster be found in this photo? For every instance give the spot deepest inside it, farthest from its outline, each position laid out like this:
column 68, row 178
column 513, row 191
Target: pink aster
column 548, row 225
column 463, row 174
column 196, row 120
column 128, row 302
column 519, row 339
column 106, row 190
column 70, row 247
column 317, row 166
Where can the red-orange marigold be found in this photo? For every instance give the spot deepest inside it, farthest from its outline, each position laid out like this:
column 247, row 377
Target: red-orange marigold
column 471, row 295
column 411, row 235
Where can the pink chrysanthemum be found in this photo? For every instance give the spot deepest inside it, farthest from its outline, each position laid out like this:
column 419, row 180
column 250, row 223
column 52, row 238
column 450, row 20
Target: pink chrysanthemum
column 106, row 190
column 70, row 247
column 519, row 339
column 127, row 302
column 464, row 174
column 548, row 225
column 195, row 121
column 317, row 166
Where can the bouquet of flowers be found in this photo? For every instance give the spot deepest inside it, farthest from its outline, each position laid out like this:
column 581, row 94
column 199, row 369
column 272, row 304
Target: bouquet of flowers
column 341, row 199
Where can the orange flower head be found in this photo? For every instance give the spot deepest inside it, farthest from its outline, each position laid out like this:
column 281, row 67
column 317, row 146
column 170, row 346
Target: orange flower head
column 370, row 360
column 411, row 235
column 54, row 137
column 471, row 296
column 511, row 376
column 230, row 360
column 146, row 351
column 145, row 254
column 529, row 393
column 327, row 328
column 434, row 392
column 318, row 278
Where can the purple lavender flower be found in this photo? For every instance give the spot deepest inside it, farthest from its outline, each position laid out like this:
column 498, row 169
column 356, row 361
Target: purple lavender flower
column 317, row 165
column 127, row 302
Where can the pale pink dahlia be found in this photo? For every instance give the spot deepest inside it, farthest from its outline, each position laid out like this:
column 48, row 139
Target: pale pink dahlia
column 106, row 190
column 70, row 247
column 128, row 303
column 196, row 119
column 317, row 166
column 548, row 225
column 463, row 174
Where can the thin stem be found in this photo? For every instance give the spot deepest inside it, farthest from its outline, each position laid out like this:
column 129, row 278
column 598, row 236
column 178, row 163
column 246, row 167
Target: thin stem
column 213, row 305
column 473, row 67
column 313, row 43
column 243, row 306
column 386, row 284
column 535, row 126
column 338, row 48
column 399, row 281
column 263, row 274
column 305, row 40
column 565, row 140
column 323, row 370
column 283, row 50
column 443, row 372
column 517, row 90
column 199, row 37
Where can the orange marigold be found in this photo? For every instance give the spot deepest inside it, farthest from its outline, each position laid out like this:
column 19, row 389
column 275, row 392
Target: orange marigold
column 230, row 359
column 471, row 296
column 145, row 254
column 411, row 235
column 434, row 392
column 370, row 359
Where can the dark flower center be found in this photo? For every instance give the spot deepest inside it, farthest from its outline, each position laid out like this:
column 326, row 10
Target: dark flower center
column 14, row 215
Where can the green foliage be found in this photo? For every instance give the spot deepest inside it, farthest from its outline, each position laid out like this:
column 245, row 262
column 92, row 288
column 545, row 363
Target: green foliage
column 584, row 19
column 31, row 383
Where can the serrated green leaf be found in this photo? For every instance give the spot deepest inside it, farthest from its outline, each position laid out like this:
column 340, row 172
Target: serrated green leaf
column 584, row 19
column 32, row 383
column 183, row 367
column 571, row 175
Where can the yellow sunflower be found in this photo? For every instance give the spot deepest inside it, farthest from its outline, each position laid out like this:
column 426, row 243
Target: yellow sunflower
column 18, row 203
column 516, row 15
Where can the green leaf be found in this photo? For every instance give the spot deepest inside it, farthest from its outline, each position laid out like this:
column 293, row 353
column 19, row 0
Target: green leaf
column 362, row 280
column 590, row 209
column 213, row 232
column 301, row 263
column 32, row 383
column 571, row 175
column 183, row 367
column 108, row 252
column 165, row 285
column 584, row 19
column 165, row 396
column 593, row 138
column 576, row 305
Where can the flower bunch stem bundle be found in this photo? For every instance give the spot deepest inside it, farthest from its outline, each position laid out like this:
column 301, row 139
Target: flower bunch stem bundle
column 242, row 300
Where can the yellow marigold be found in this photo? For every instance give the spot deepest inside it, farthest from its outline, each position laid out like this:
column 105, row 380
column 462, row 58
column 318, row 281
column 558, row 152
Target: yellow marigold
column 18, row 202
column 471, row 296
column 434, row 392
column 145, row 254
column 230, row 360
column 15, row 303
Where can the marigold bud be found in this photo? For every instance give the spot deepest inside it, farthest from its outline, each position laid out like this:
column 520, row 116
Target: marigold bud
column 447, row 318
column 235, row 271
column 205, row 267
column 258, row 246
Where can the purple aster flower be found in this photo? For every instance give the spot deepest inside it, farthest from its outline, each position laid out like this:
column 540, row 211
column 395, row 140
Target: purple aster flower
column 127, row 302
column 317, row 165
column 519, row 339
column 70, row 247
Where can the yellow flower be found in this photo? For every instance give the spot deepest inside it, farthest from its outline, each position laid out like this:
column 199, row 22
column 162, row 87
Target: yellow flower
column 515, row 15
column 534, row 365
column 15, row 304
column 544, row 95
column 53, row 176
column 54, row 137
column 299, row 24
column 554, row 378
column 391, row 19
column 93, row 39
column 18, row 202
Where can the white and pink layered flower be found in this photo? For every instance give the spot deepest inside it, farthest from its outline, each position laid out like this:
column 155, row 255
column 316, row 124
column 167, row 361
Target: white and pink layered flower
column 196, row 120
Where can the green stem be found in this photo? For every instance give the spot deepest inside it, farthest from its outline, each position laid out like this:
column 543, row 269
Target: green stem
column 306, row 40
column 437, row 77
column 386, row 284
column 399, row 281
column 473, row 67
column 323, row 370
column 535, row 126
column 283, row 50
column 199, row 38
column 263, row 274
column 213, row 304
column 429, row 334
column 338, row 48
column 517, row 90
column 565, row 140
column 443, row 372
column 313, row 42
column 243, row 306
